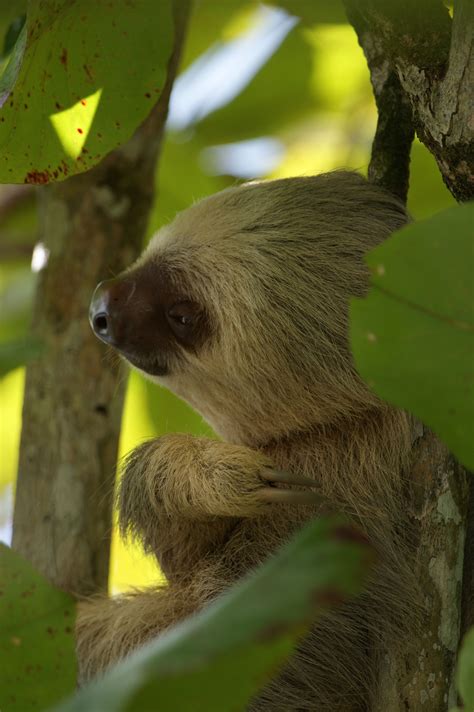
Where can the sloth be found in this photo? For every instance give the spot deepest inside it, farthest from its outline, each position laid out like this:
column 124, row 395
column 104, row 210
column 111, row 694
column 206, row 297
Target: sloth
column 240, row 306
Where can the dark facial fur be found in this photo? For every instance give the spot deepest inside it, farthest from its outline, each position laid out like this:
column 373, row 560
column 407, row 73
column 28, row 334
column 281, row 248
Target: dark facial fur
column 148, row 317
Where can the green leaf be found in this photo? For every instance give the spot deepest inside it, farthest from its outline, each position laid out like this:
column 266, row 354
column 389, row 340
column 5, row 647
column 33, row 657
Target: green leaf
column 218, row 659
column 11, row 13
column 36, row 642
column 465, row 671
column 413, row 336
column 17, row 353
column 80, row 80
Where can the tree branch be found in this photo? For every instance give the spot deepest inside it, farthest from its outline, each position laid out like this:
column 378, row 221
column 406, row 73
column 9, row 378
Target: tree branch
column 390, row 160
column 436, row 71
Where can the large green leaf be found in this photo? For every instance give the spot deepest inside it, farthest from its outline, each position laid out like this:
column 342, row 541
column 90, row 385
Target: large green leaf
column 82, row 76
column 465, row 671
column 37, row 659
column 413, row 336
column 217, row 660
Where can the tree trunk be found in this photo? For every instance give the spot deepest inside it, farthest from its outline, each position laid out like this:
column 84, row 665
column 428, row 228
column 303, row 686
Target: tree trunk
column 418, row 60
column 93, row 226
column 423, row 677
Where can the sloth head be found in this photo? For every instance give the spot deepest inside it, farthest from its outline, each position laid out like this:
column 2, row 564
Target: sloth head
column 240, row 305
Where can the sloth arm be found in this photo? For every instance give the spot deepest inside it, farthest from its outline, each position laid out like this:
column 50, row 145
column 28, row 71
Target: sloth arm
column 198, row 478
column 183, row 497
column 186, row 499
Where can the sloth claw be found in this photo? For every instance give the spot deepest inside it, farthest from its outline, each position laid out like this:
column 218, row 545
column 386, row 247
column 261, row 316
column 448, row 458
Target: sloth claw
column 286, row 478
column 288, row 496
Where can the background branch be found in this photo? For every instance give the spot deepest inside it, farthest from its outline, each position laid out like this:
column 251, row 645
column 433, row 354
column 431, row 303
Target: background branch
column 434, row 60
column 390, row 159
column 93, row 224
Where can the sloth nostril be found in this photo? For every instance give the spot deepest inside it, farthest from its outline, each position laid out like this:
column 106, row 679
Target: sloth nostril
column 101, row 324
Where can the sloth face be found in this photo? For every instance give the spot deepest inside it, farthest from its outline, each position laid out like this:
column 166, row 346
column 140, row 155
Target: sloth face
column 149, row 318
column 240, row 305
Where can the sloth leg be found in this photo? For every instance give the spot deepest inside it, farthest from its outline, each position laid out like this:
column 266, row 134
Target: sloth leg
column 198, row 478
column 329, row 671
column 109, row 629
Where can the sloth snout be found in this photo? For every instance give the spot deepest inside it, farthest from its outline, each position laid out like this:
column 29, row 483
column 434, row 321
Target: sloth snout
column 107, row 310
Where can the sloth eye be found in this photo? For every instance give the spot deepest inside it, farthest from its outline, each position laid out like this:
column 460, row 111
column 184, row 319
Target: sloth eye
column 181, row 317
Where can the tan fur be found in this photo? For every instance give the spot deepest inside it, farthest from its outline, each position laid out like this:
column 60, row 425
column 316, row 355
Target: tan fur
column 275, row 264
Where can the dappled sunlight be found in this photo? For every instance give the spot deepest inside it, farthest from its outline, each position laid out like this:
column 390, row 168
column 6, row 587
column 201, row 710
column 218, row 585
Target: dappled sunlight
column 11, row 398
column 130, row 567
column 340, row 77
column 322, row 146
column 244, row 159
column 72, row 125
column 221, row 73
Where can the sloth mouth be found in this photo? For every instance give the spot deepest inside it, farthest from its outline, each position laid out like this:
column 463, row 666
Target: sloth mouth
column 151, row 366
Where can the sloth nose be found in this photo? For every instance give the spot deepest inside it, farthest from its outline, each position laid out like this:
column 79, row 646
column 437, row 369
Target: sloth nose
column 99, row 314
column 105, row 313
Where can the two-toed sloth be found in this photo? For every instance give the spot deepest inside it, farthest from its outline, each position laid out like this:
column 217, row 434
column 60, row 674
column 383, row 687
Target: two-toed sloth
column 240, row 306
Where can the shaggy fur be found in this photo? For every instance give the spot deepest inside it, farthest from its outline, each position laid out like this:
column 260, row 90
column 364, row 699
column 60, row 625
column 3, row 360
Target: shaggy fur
column 274, row 265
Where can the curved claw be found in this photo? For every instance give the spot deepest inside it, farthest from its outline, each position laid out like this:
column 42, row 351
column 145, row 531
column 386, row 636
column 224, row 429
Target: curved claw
column 286, row 496
column 287, row 478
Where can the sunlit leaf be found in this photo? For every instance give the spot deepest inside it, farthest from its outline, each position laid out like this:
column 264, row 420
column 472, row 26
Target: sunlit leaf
column 36, row 638
column 413, row 336
column 217, row 660
column 89, row 75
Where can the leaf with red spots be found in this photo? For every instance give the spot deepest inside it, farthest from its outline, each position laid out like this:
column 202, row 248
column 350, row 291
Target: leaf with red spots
column 37, row 656
column 79, row 77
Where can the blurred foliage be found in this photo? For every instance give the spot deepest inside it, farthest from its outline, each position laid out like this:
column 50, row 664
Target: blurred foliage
column 313, row 95
column 239, row 641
